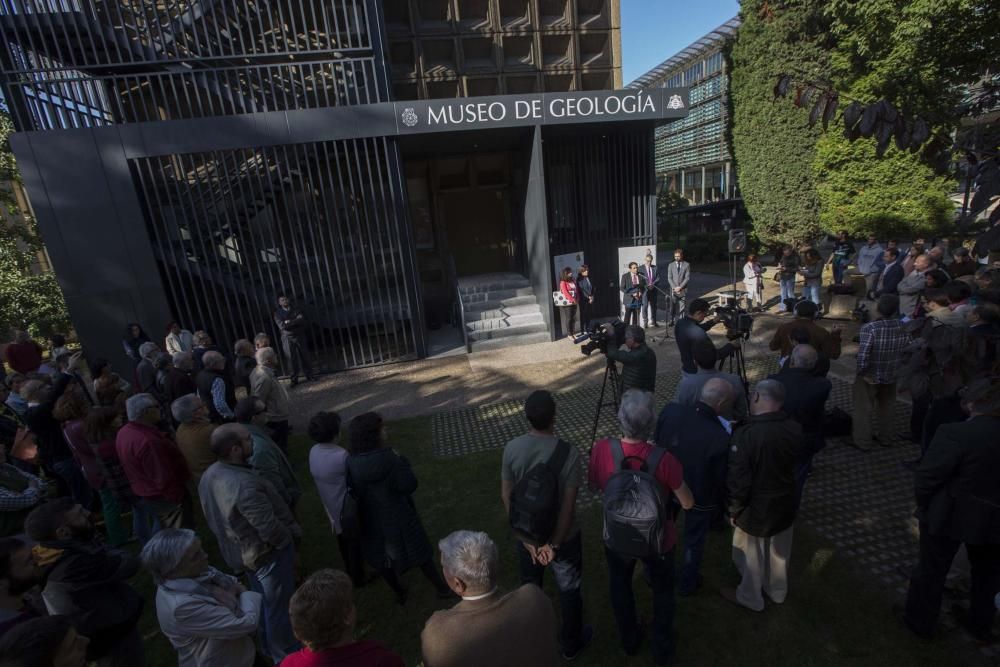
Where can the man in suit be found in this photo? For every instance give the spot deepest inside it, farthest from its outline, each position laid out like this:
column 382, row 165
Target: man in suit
column 652, row 276
column 678, row 275
column 890, row 275
column 696, row 436
column 805, row 402
column 958, row 502
column 633, row 284
column 294, row 330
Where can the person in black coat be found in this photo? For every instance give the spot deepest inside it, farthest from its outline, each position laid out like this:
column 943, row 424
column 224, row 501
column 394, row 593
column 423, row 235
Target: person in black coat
column 693, row 328
column 805, row 402
column 393, row 539
column 761, row 485
column 958, row 502
column 585, row 297
column 696, row 438
column 243, row 365
column 133, row 338
column 633, row 285
column 294, row 329
column 888, row 279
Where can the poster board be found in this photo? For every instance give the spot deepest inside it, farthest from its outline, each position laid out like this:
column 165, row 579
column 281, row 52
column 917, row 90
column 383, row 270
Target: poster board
column 626, row 255
column 572, row 259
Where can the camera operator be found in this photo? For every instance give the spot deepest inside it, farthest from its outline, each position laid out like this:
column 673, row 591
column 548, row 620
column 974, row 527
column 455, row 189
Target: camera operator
column 638, row 361
column 691, row 329
column 826, row 343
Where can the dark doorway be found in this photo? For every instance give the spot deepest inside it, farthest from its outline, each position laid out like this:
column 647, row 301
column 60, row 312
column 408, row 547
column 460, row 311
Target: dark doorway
column 477, row 222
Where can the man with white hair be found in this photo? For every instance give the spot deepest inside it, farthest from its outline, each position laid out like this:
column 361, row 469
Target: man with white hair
column 634, row 450
column 805, row 402
column 208, row 616
column 265, row 386
column 762, row 502
column 145, row 371
column 255, row 530
column 697, row 436
column 488, row 628
column 155, row 467
column 215, row 387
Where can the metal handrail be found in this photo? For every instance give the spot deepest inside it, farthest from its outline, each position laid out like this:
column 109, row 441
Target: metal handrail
column 453, row 274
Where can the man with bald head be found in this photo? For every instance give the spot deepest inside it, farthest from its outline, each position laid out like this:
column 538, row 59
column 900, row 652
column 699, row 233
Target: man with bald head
column 910, row 287
column 761, row 486
column 255, row 530
column 697, row 437
column 805, row 402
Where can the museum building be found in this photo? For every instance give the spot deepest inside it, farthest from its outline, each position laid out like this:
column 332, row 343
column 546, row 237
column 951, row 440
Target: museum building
column 405, row 171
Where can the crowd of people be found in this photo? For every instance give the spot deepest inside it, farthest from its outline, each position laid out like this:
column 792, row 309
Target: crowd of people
column 200, row 433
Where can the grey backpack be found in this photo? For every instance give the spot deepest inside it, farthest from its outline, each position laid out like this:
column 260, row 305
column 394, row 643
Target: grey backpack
column 636, row 511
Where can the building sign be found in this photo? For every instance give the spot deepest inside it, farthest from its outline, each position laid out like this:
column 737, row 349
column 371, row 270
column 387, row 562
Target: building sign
column 481, row 113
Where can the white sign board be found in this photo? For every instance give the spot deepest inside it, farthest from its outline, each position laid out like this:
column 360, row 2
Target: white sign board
column 572, row 260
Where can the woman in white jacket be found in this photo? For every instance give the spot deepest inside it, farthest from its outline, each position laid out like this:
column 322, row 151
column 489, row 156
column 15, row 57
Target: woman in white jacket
column 208, row 616
column 753, row 282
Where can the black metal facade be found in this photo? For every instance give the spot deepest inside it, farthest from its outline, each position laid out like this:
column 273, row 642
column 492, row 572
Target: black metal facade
column 600, row 193
column 230, row 229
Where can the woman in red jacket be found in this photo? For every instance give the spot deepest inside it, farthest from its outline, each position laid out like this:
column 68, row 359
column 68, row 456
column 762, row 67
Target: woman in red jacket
column 568, row 315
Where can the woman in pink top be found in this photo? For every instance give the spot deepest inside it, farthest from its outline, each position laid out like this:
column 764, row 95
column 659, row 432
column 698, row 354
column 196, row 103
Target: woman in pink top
column 568, row 314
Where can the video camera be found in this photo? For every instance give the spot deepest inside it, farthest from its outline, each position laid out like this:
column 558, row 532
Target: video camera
column 738, row 321
column 606, row 335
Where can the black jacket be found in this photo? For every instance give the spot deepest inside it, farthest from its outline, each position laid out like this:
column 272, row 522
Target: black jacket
column 629, row 289
column 242, row 368
column 761, row 475
column 47, row 431
column 805, row 402
column 688, row 332
column 88, row 582
column 291, row 322
column 177, row 383
column 956, row 482
column 392, row 535
column 702, row 447
column 638, row 367
column 205, row 380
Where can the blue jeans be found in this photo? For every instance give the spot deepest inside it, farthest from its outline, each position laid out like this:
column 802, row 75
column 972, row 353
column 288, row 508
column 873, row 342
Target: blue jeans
column 787, row 290
column 660, row 575
column 276, row 582
column 811, row 292
column 567, row 568
column 696, row 525
column 145, row 523
column 79, row 489
column 839, row 269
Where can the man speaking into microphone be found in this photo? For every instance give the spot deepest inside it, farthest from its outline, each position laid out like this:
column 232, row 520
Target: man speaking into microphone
column 634, row 286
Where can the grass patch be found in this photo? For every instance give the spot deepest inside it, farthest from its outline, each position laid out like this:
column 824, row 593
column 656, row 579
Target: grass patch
column 832, row 616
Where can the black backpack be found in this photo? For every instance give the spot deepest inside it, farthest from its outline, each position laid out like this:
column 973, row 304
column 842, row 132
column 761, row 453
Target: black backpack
column 636, row 510
column 534, row 503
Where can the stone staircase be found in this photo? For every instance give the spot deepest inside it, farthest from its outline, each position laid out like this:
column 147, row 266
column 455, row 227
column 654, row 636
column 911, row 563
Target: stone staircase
column 501, row 311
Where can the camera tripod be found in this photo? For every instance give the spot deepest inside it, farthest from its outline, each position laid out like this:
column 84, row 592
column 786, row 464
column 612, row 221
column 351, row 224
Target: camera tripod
column 738, row 366
column 610, row 374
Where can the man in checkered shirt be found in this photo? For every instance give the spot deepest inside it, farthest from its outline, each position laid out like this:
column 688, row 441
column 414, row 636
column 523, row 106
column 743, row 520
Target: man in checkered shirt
column 880, row 353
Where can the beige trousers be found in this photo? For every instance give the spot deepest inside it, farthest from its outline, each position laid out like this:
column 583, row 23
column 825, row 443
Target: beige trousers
column 877, row 398
column 763, row 564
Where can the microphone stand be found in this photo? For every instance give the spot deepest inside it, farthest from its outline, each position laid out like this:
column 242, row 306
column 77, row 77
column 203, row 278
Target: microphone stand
column 666, row 333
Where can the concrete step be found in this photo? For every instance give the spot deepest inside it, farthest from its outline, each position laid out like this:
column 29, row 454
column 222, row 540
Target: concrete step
column 492, row 282
column 505, row 331
column 500, row 313
column 472, row 298
column 472, row 310
column 492, row 324
column 511, row 341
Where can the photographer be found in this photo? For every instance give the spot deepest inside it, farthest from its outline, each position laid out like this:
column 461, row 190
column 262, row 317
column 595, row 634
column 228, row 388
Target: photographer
column 690, row 330
column 638, row 361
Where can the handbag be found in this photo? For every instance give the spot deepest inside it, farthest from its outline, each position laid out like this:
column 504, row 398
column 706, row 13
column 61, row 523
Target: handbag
column 559, row 299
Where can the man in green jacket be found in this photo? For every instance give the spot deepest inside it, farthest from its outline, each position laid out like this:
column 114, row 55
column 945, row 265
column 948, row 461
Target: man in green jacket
column 267, row 458
column 637, row 360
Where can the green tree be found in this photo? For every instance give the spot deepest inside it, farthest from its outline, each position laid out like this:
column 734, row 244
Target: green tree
column 28, row 300
column 668, row 200
column 772, row 143
column 895, row 195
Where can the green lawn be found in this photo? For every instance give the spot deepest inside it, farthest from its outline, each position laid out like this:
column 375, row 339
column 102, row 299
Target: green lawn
column 832, row 616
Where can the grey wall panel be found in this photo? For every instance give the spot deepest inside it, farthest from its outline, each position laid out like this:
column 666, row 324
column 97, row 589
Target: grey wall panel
column 92, row 225
column 536, row 229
